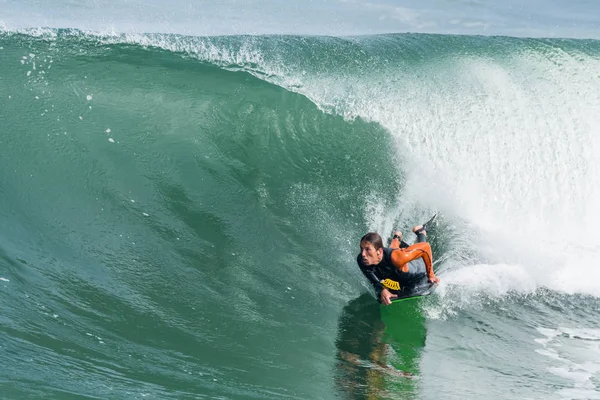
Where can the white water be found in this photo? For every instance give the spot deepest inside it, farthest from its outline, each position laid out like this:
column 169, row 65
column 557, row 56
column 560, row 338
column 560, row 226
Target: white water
column 507, row 150
column 574, row 355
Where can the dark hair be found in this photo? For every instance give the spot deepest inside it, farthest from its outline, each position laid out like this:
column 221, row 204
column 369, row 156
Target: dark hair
column 374, row 239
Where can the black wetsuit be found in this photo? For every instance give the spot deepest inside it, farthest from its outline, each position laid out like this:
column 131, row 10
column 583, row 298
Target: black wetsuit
column 409, row 281
column 385, row 269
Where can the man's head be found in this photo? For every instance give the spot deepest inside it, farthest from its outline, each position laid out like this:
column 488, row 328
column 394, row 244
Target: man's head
column 371, row 248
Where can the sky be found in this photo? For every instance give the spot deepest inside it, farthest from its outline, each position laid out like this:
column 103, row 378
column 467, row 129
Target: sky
column 523, row 18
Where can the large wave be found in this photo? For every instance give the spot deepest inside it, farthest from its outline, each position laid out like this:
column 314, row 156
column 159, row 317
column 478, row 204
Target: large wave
column 196, row 185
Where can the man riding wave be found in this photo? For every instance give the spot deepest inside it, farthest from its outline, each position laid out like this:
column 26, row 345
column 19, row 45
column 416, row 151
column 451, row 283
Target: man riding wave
column 398, row 268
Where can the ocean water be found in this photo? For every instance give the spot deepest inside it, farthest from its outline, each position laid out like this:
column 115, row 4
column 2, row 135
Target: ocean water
column 183, row 188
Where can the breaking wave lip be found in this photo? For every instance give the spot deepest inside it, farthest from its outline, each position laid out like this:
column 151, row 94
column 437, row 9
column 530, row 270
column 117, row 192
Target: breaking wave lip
column 234, row 53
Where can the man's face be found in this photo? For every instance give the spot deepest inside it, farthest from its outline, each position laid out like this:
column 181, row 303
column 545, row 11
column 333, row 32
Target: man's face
column 369, row 255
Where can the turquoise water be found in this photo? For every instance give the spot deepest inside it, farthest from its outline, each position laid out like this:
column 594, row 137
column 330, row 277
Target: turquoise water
column 179, row 215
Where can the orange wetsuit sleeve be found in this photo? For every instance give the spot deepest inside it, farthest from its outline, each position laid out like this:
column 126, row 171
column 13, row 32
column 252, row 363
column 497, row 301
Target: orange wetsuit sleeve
column 401, row 257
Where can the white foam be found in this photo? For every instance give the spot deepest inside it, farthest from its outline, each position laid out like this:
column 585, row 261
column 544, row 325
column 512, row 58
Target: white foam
column 495, row 280
column 489, row 143
column 579, row 377
column 579, row 394
column 575, row 355
column 472, row 286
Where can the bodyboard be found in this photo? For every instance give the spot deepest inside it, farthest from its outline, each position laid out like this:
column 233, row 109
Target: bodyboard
column 416, row 292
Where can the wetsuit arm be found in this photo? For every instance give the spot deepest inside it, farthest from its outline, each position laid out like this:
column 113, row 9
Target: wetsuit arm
column 401, row 258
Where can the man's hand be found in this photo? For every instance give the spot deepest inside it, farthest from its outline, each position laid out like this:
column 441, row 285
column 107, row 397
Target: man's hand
column 434, row 279
column 387, row 296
